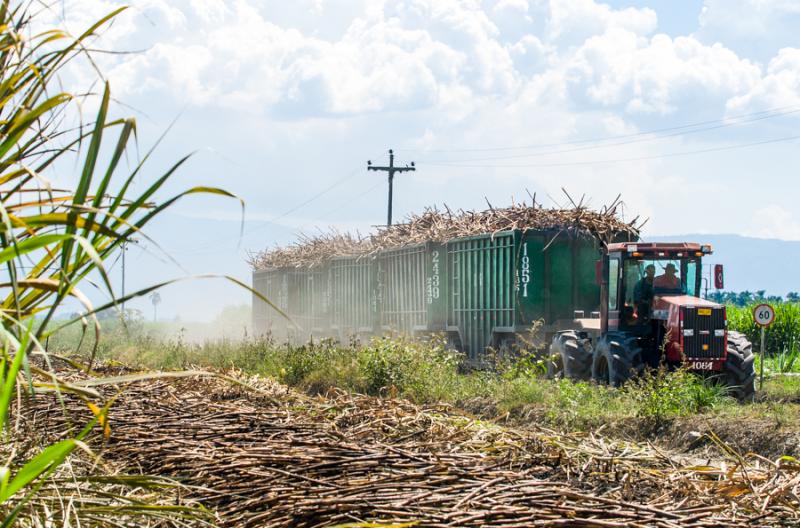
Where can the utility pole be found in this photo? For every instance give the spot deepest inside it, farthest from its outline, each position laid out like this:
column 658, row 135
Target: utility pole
column 391, row 169
column 124, row 250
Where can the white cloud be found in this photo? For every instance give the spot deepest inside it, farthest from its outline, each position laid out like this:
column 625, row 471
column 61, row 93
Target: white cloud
column 407, row 57
column 657, row 74
column 746, row 17
column 779, row 87
column 420, row 55
column 773, row 221
column 577, row 20
column 756, row 29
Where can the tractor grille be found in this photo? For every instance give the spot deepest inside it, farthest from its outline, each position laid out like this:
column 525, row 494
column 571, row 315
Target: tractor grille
column 704, row 343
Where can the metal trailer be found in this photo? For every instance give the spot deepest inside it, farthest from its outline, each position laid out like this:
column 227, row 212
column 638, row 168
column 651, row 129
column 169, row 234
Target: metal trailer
column 353, row 296
column 412, row 289
column 274, row 285
column 482, row 291
column 308, row 304
column 500, row 285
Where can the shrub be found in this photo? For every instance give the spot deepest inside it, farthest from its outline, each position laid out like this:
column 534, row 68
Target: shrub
column 660, row 394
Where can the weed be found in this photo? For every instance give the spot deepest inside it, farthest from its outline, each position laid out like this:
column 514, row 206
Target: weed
column 659, row 394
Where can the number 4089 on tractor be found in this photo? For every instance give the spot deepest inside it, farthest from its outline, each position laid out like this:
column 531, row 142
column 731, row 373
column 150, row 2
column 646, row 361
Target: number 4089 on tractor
column 651, row 314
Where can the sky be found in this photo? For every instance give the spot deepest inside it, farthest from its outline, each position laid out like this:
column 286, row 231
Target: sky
column 688, row 108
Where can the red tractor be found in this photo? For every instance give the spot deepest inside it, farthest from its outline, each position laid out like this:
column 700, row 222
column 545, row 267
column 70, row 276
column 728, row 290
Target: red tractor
column 651, row 314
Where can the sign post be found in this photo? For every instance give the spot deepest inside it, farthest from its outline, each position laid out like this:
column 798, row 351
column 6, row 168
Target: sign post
column 763, row 315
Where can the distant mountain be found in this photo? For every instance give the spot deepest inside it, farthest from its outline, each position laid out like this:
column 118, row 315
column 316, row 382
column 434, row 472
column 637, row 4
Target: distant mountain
column 750, row 263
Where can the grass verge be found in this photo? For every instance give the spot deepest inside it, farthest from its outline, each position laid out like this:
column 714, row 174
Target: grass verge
column 427, row 373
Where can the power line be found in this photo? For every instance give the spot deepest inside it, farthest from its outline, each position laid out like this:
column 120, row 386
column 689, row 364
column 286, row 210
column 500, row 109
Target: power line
column 212, row 244
column 740, row 119
column 303, row 203
column 617, row 144
column 299, row 206
column 350, row 201
column 621, row 160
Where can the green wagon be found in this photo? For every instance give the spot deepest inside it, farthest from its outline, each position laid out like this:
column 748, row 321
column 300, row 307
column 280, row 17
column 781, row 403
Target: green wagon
column 353, row 296
column 502, row 285
column 412, row 290
column 274, row 285
column 308, row 304
column 482, row 291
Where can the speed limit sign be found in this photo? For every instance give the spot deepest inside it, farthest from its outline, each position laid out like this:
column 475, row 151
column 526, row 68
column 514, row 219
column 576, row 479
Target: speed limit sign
column 763, row 315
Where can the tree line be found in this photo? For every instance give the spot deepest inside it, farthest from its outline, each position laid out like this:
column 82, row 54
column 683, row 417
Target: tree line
column 745, row 298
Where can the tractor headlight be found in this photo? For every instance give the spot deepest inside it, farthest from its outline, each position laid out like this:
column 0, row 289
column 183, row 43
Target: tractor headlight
column 719, row 332
column 688, row 332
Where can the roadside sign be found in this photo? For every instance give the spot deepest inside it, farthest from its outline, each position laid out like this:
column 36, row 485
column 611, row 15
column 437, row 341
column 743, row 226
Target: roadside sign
column 763, row 315
column 719, row 277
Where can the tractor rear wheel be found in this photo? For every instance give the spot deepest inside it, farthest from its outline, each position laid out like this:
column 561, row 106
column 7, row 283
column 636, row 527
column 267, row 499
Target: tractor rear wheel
column 739, row 368
column 570, row 357
column 617, row 358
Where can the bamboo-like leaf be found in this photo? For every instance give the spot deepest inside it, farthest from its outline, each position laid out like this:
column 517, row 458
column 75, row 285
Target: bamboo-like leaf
column 145, row 376
column 29, row 245
column 5, row 476
column 9, row 379
column 19, row 126
column 52, row 240
column 56, row 219
column 51, row 456
column 101, row 418
column 63, row 387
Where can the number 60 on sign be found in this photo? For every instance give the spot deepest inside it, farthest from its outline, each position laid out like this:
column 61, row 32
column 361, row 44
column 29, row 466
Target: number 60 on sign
column 763, row 315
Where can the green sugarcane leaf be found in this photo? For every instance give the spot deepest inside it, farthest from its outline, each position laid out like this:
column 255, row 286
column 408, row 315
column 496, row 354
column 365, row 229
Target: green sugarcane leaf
column 51, row 456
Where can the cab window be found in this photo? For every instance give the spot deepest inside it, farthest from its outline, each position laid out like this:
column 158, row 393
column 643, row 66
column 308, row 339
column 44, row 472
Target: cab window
column 663, row 276
column 613, row 283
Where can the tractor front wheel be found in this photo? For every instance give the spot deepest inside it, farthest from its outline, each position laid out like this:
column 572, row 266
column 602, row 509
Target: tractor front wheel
column 617, row 358
column 739, row 369
column 570, row 357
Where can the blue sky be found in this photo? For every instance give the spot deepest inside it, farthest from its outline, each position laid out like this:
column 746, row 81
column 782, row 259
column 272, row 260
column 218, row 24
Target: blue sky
column 283, row 103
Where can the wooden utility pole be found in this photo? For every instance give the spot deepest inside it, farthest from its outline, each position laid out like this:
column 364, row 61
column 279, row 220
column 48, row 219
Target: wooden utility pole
column 124, row 247
column 391, row 169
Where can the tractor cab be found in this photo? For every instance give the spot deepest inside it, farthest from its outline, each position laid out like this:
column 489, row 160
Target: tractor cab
column 652, row 292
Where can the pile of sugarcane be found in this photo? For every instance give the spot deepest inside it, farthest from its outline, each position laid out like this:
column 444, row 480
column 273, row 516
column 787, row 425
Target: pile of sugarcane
column 271, row 457
column 310, row 251
column 440, row 226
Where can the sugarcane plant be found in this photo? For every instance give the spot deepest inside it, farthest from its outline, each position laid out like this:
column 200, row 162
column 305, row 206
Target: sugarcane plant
column 54, row 238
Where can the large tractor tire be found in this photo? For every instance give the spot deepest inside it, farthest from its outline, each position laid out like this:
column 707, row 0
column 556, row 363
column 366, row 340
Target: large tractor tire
column 739, row 369
column 617, row 358
column 570, row 357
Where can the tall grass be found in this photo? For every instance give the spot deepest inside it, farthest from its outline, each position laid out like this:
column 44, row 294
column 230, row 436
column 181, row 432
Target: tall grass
column 782, row 338
column 53, row 239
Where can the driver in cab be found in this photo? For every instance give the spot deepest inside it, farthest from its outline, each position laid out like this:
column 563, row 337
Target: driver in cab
column 668, row 280
column 643, row 293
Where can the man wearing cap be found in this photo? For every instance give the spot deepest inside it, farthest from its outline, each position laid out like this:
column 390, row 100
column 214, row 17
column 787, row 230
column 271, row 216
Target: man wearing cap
column 669, row 280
